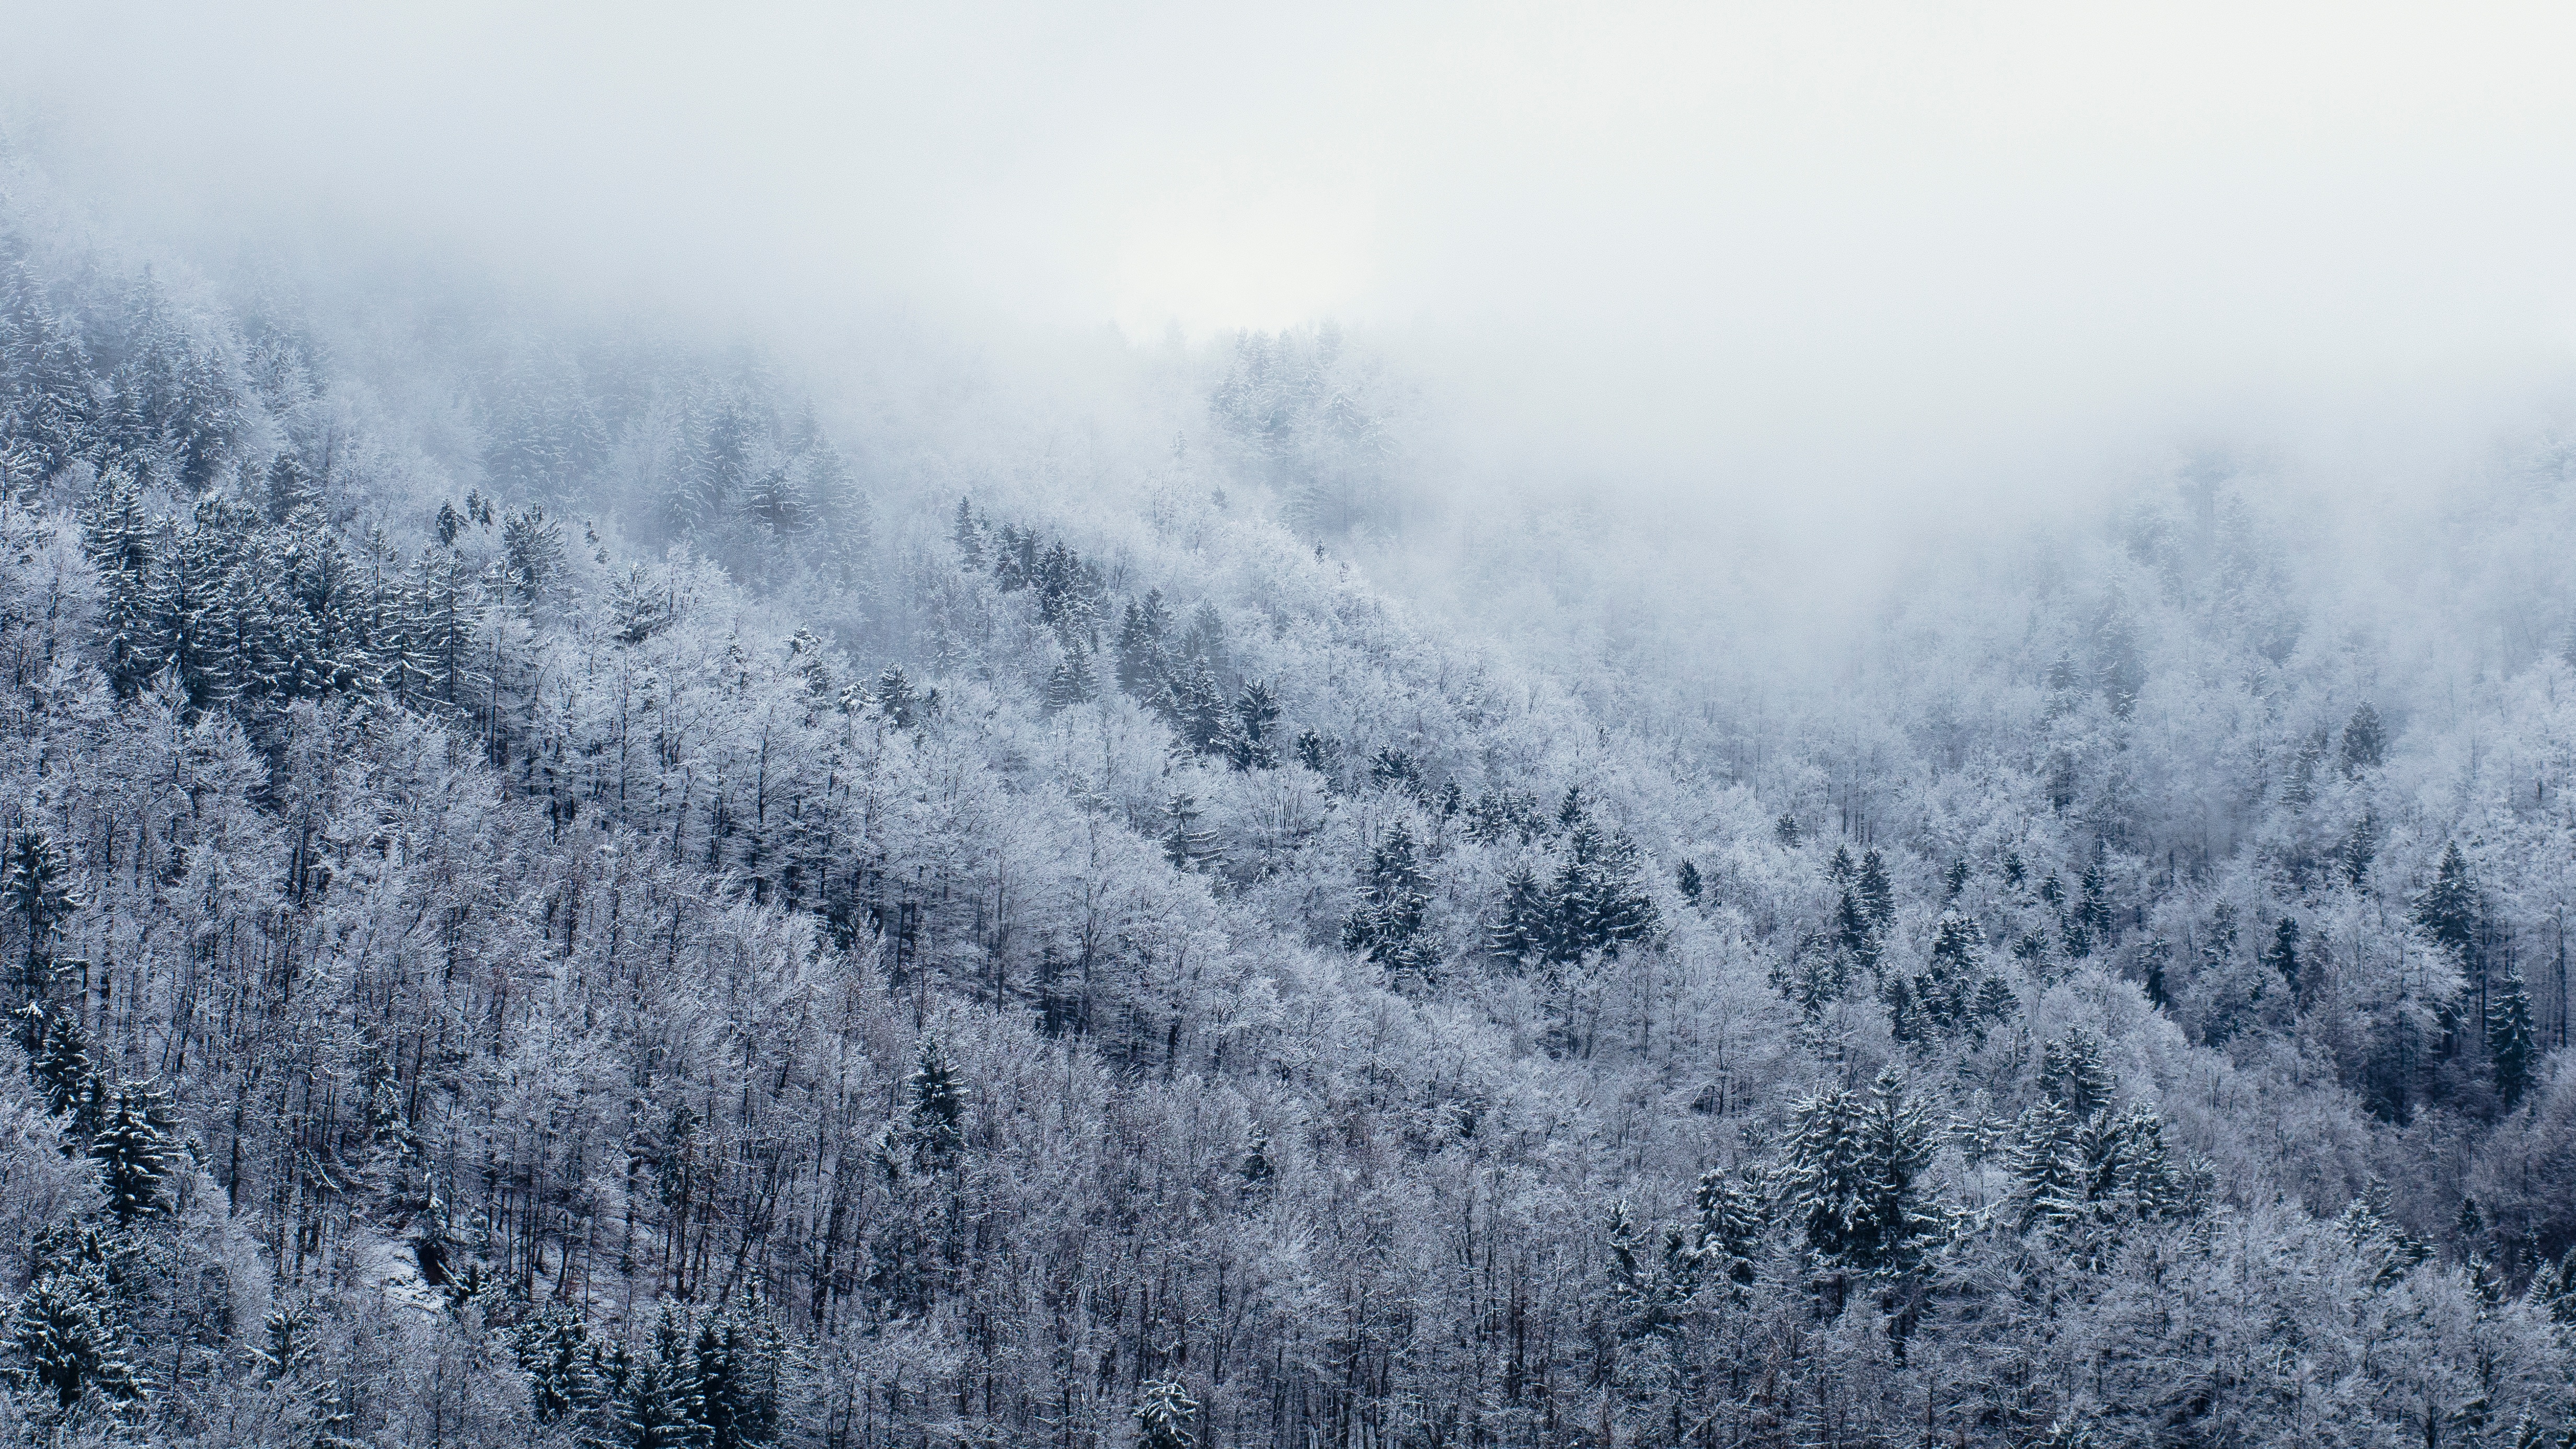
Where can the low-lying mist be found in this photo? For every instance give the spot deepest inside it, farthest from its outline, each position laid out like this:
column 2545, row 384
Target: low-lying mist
column 1804, row 292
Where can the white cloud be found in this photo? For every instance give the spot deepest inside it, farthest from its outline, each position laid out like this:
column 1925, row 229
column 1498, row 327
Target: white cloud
column 1822, row 248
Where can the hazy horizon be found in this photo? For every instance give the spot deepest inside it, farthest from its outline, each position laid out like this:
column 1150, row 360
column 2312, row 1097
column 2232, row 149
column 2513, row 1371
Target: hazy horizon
column 1777, row 259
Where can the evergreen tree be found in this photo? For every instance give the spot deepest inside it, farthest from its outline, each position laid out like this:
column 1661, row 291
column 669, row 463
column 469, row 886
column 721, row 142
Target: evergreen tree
column 62, row 1067
column 1729, row 1225
column 132, row 1147
column 2093, row 918
column 715, row 1375
column 778, row 501
column 659, row 1405
column 1199, row 709
column 2447, row 912
column 1647, row 1288
column 639, row 606
column 1257, row 1169
column 46, row 406
column 1994, row 1005
column 290, row 486
column 288, row 1343
column 1205, row 638
column 1525, row 930
column 1817, row 978
column 1015, row 561
column 2283, row 955
column 1185, row 843
column 2047, row 1163
column 968, row 538
column 1877, row 897
column 532, row 553
column 1249, row 745
column 2365, row 741
column 1601, row 902
column 934, row 1109
column 186, row 600
column 443, row 610
column 812, row 660
column 1854, row 935
column 2359, row 849
column 124, row 542
column 895, row 698
column 37, row 883
column 1946, row 989
column 67, row 1333
column 1393, row 769
column 2145, row 1173
column 1687, row 880
column 267, row 645
column 761, row 1353
column 1394, row 903
column 2073, row 1075
column 1071, row 682
column 2553, row 1289
column 2512, row 1045
column 1144, row 665
column 182, row 390
column 2448, row 909
column 555, row 1351
column 1163, row 1414
column 735, row 1396
column 1852, row 1176
column 736, row 1367
column 334, row 638
column 1897, row 1135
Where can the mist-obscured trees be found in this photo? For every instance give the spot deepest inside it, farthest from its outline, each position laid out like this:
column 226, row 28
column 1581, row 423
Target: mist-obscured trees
column 482, row 985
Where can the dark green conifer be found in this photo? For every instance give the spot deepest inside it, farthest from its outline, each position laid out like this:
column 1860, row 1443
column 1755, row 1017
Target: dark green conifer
column 67, row 1331
column 2365, row 741
column 1164, row 1412
column 1395, row 901
column 934, row 1109
column 37, row 882
column 2513, row 1047
column 1186, row 843
column 2283, row 955
column 132, row 1147
column 2448, row 909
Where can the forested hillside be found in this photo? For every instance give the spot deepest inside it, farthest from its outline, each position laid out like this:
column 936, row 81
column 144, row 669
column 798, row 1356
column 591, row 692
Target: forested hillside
column 562, row 886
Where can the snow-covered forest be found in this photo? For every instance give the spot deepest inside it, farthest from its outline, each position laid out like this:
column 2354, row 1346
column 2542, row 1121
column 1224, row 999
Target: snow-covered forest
column 567, row 884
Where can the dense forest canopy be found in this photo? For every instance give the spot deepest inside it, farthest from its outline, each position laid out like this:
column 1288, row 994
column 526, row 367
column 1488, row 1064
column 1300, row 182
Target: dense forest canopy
column 561, row 884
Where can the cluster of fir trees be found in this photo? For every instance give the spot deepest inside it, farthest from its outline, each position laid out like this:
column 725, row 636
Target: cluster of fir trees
column 251, row 611
column 129, row 379
column 1855, row 1219
column 1179, row 673
column 2494, row 1012
column 672, row 450
column 712, row 1385
column 99, row 1278
column 1593, row 902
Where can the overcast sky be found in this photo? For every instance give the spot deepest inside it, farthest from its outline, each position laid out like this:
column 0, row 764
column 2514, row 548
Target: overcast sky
column 1847, row 245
